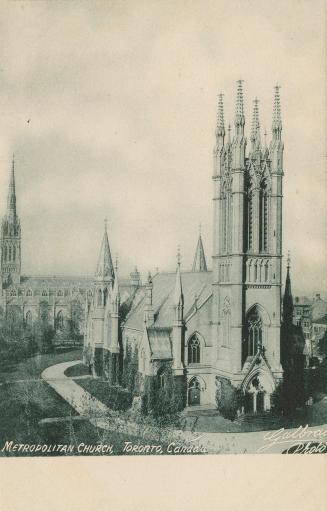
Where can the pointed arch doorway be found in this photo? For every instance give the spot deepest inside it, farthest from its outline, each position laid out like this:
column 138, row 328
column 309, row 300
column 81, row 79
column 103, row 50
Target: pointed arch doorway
column 194, row 393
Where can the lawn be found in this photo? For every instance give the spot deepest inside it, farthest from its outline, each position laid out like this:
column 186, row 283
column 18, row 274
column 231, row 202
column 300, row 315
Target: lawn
column 31, row 368
column 77, row 370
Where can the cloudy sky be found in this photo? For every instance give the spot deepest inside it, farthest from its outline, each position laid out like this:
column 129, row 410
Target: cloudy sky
column 110, row 109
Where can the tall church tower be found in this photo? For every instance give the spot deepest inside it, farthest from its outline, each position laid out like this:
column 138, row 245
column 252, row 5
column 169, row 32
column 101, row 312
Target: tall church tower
column 247, row 247
column 11, row 237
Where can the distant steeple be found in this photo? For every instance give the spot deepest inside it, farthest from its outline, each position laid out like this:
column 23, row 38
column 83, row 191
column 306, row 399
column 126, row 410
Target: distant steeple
column 288, row 298
column 199, row 262
column 11, row 200
column 105, row 269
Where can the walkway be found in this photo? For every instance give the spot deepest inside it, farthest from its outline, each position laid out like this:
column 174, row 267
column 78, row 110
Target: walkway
column 227, row 443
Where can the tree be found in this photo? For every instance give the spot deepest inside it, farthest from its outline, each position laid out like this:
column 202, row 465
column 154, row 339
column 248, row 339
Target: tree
column 42, row 329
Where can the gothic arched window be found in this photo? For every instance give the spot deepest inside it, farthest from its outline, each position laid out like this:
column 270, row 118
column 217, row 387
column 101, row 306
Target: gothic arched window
column 60, row 293
column 263, row 217
column 44, row 292
column 161, row 377
column 105, row 296
column 14, row 253
column 59, row 320
column 226, row 322
column 28, row 318
column 5, row 253
column 29, row 292
column 9, row 254
column 194, row 349
column 253, row 333
column 227, row 214
column 250, row 218
column 99, row 301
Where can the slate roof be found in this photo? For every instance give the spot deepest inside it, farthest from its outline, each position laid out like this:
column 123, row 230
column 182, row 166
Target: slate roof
column 194, row 284
column 321, row 321
column 160, row 343
column 302, row 300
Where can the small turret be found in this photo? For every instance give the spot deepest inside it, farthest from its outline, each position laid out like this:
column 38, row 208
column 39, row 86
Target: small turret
column 277, row 146
column 148, row 309
column 178, row 325
column 178, row 293
column 199, row 262
column 239, row 142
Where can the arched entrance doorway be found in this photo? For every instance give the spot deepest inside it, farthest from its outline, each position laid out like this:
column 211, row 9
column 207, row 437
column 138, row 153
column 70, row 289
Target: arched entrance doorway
column 257, row 392
column 194, row 392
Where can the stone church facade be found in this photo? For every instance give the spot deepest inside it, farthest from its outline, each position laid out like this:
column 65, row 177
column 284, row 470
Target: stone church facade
column 209, row 327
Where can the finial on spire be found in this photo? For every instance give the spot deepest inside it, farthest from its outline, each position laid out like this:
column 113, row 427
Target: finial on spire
column 116, row 263
column 200, row 228
column 288, row 260
column 105, row 223
column 265, row 135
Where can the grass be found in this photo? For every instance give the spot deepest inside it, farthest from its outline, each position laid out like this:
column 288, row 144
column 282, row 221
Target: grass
column 115, row 398
column 31, row 368
column 77, row 370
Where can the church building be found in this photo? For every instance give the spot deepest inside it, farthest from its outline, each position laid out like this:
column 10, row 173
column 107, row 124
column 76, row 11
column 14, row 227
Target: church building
column 209, row 327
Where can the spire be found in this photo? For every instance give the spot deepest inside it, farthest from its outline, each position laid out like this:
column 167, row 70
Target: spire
column 255, row 132
column 239, row 114
column 178, row 294
column 11, row 200
column 288, row 298
column 199, row 262
column 277, row 120
column 115, row 288
column 220, row 130
column 105, row 269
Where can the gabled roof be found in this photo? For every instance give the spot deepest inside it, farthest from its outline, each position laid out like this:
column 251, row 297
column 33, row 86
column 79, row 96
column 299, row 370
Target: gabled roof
column 195, row 284
column 321, row 321
column 302, row 300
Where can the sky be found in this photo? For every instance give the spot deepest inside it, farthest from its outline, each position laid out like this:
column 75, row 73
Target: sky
column 110, row 109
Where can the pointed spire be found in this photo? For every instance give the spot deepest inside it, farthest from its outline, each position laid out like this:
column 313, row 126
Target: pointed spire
column 11, row 200
column 277, row 120
column 239, row 114
column 115, row 288
column 288, row 298
column 105, row 269
column 178, row 294
column 220, row 130
column 229, row 139
column 255, row 132
column 199, row 262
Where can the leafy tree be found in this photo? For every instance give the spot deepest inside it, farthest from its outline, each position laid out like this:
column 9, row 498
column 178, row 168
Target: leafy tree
column 228, row 399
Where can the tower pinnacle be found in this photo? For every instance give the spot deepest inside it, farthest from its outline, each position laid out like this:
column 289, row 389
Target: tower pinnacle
column 178, row 294
column 239, row 114
column 277, row 120
column 255, row 132
column 220, row 130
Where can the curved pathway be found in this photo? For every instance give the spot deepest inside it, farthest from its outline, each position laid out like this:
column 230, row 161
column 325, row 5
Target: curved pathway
column 227, row 443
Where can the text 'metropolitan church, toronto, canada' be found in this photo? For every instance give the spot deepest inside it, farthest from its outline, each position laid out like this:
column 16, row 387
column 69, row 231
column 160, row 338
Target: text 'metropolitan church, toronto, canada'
column 210, row 326
column 205, row 327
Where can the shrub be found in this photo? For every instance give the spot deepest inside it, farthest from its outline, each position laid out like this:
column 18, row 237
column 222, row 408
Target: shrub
column 228, row 399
